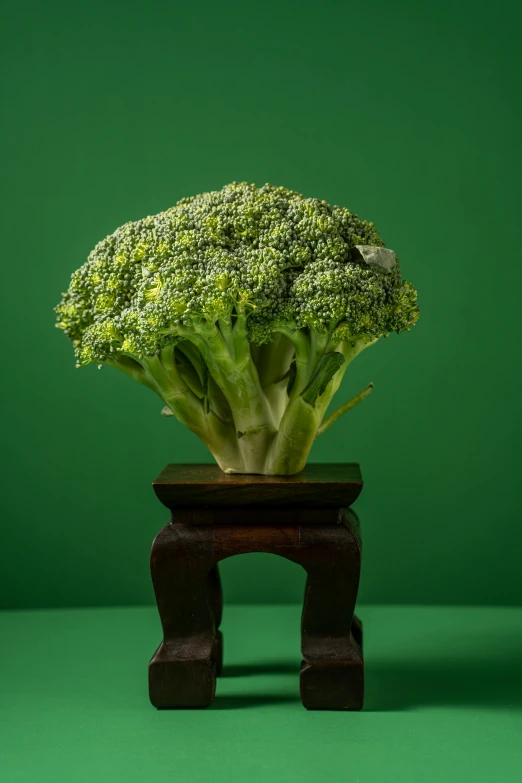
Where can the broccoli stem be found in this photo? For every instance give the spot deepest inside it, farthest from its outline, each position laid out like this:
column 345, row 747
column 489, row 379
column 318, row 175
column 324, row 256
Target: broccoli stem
column 292, row 444
column 226, row 353
column 301, row 421
column 161, row 374
column 242, row 400
column 273, row 361
column 342, row 409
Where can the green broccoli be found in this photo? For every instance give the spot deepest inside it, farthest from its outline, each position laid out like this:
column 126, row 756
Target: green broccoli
column 242, row 309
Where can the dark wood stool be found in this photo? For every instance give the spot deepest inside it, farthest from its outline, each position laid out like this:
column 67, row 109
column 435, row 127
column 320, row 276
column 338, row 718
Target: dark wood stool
column 305, row 518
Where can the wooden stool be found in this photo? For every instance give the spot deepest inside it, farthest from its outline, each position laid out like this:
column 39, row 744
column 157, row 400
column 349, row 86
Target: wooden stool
column 304, row 518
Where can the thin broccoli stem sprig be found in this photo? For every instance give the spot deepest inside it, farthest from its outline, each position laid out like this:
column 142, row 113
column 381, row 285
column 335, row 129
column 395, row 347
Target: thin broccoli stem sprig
column 344, row 408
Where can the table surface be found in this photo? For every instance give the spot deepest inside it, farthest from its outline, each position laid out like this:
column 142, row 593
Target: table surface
column 321, row 486
column 443, row 701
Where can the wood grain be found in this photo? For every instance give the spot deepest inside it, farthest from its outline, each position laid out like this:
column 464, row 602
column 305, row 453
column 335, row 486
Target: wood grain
column 323, row 539
column 317, row 486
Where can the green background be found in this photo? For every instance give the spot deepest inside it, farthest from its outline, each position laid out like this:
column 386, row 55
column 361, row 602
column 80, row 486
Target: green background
column 407, row 113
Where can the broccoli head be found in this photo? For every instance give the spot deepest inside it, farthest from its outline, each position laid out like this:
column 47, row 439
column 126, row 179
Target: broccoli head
column 242, row 309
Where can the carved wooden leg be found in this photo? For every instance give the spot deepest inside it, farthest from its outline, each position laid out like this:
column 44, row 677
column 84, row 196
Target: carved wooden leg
column 216, row 602
column 332, row 674
column 182, row 673
column 357, row 631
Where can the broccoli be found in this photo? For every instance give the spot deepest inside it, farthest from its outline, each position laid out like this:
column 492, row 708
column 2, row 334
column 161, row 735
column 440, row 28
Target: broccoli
column 242, row 309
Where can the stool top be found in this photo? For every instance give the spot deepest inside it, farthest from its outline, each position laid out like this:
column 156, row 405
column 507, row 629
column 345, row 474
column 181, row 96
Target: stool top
column 317, row 486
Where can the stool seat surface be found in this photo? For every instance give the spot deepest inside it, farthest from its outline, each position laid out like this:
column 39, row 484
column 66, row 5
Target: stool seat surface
column 317, row 486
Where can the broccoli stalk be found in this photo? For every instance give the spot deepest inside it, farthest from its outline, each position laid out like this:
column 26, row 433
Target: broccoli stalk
column 320, row 368
column 248, row 418
column 242, row 311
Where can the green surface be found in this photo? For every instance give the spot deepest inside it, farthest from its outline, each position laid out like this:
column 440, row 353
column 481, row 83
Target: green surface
column 443, row 703
column 407, row 113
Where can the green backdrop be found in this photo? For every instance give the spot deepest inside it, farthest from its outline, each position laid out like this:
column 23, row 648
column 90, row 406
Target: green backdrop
column 407, row 113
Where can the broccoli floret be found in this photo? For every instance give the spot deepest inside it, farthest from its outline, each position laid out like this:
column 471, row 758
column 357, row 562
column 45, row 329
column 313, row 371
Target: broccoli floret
column 242, row 309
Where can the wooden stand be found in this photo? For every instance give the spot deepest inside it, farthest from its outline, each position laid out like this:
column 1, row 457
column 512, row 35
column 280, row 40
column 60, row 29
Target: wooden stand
column 305, row 518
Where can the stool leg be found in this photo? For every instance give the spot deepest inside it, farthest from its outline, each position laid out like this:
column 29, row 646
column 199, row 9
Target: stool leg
column 216, row 601
column 357, row 632
column 332, row 674
column 182, row 673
